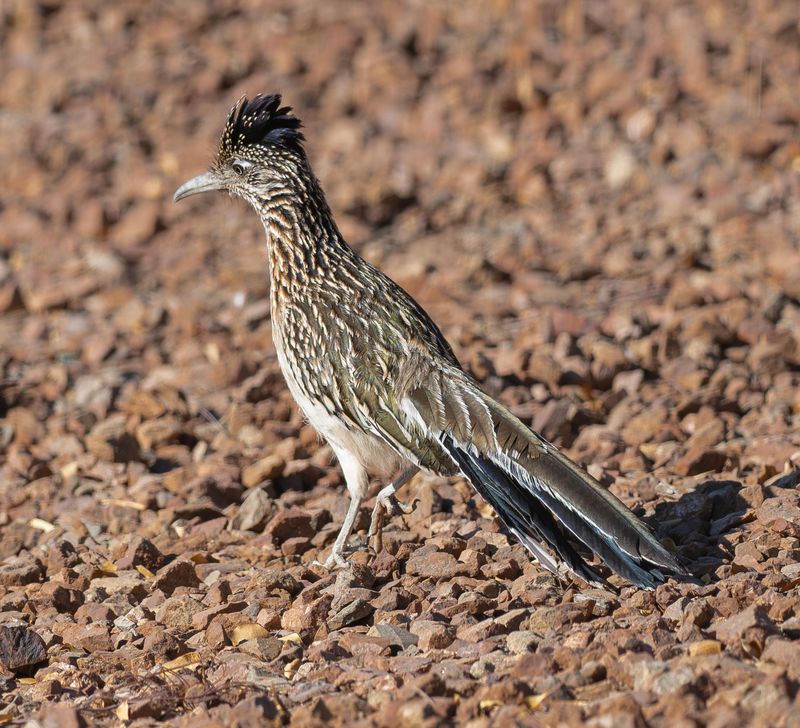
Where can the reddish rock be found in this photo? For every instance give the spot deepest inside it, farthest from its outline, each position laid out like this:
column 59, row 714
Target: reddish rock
column 201, row 619
column 290, row 523
column 162, row 645
column 141, row 552
column 19, row 571
column 93, row 612
column 20, row 648
column 395, row 634
column 254, row 512
column 736, row 628
column 59, row 715
column 785, row 653
column 92, row 637
column 178, row 612
column 60, row 596
column 432, row 635
column 177, row 573
column 61, row 555
column 434, row 565
column 268, row 468
column 130, row 583
column 700, row 460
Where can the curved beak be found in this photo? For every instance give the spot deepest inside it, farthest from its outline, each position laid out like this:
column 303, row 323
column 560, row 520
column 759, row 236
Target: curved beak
column 206, row 182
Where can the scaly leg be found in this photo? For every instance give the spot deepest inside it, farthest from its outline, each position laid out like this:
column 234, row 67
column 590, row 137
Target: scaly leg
column 357, row 484
column 385, row 503
column 337, row 554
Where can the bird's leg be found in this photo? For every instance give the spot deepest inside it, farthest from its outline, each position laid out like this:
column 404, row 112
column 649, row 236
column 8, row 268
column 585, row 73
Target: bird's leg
column 337, row 554
column 357, row 485
column 385, row 503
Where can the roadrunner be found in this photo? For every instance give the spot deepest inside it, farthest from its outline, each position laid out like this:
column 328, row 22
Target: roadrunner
column 375, row 376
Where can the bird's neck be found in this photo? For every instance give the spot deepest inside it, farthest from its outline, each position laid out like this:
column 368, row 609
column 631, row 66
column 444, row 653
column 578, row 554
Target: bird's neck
column 303, row 240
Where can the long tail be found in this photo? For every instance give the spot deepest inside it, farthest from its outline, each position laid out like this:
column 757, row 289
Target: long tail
column 526, row 479
column 543, row 498
column 524, row 516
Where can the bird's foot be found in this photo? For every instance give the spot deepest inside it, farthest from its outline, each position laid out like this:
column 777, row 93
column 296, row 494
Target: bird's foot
column 376, row 527
column 385, row 505
column 389, row 505
column 336, row 560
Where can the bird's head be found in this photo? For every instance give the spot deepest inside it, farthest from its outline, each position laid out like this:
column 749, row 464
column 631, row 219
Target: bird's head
column 260, row 152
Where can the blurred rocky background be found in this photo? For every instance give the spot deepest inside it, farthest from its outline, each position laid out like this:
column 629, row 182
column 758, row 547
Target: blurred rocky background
column 597, row 200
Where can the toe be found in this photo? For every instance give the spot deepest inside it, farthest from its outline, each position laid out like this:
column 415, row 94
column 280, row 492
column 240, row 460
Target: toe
column 376, row 522
column 407, row 508
column 336, row 560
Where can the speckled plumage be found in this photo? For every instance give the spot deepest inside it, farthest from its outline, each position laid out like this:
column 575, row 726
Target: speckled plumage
column 373, row 373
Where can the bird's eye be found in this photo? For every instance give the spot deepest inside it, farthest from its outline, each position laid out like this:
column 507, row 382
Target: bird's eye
column 239, row 168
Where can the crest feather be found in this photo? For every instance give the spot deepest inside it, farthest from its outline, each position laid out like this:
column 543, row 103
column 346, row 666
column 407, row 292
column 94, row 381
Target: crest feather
column 260, row 121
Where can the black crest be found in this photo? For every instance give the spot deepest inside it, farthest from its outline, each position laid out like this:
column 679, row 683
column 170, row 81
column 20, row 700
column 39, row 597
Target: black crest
column 260, row 121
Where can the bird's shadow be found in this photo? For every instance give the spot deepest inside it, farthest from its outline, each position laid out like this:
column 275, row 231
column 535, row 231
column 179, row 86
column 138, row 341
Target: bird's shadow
column 699, row 520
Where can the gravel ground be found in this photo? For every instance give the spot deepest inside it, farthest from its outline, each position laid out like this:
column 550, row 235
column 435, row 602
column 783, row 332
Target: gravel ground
column 598, row 201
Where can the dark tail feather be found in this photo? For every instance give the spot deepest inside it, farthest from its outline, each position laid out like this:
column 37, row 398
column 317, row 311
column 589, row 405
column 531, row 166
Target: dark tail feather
column 522, row 514
column 528, row 514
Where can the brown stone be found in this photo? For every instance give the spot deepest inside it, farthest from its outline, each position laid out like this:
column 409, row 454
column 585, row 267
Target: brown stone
column 734, row 629
column 267, row 468
column 93, row 612
column 432, row 635
column 59, row 715
column 130, row 584
column 92, row 637
column 61, row 555
column 162, row 645
column 177, row 573
column 178, row 612
column 141, row 552
column 292, row 522
column 19, row 571
column 60, row 596
column 396, row 634
column 20, row 647
column 254, row 512
column 700, row 460
column 201, row 619
column 434, row 565
column 785, row 653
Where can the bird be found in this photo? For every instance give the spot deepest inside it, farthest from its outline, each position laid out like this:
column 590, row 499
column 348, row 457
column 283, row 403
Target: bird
column 374, row 375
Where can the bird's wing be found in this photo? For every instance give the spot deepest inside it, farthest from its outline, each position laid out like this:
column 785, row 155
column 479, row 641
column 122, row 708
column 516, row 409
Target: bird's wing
column 357, row 384
column 542, row 496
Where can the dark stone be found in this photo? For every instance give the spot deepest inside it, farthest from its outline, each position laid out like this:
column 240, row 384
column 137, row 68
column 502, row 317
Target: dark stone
column 20, row 647
column 141, row 552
